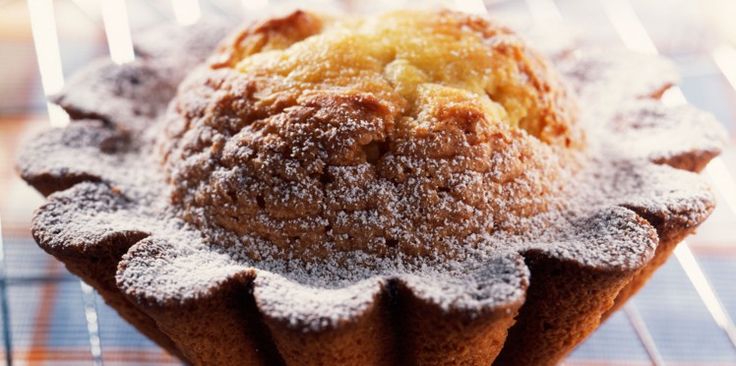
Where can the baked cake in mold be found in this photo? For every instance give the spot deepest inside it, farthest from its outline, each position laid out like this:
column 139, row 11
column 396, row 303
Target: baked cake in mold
column 417, row 187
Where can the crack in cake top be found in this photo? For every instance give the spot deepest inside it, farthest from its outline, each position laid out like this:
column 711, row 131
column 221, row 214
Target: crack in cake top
column 412, row 133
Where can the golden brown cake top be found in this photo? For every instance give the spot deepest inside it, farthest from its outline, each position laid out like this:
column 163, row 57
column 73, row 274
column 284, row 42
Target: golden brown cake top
column 418, row 63
column 411, row 132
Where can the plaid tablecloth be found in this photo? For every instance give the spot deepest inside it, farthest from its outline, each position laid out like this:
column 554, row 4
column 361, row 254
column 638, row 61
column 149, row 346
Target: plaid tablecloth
column 48, row 319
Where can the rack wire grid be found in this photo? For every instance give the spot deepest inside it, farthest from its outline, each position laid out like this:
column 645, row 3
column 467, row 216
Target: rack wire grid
column 48, row 317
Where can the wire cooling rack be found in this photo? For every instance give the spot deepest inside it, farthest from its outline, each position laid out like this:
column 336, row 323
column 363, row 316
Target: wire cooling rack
column 682, row 316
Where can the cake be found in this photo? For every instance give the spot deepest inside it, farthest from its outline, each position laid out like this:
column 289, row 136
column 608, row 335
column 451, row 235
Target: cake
column 415, row 187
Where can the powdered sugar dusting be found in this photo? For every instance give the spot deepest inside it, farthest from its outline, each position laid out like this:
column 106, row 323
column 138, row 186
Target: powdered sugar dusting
column 647, row 129
column 177, row 269
column 606, row 79
column 128, row 95
column 178, row 262
column 273, row 294
column 304, row 155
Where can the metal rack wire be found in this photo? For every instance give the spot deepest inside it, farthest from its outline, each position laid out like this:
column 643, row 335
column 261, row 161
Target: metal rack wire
column 33, row 286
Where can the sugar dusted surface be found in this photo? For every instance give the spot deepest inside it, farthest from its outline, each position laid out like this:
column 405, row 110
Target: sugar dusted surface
column 432, row 130
column 174, row 261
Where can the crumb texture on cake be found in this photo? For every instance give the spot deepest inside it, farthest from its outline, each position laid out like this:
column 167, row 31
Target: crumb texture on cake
column 412, row 133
